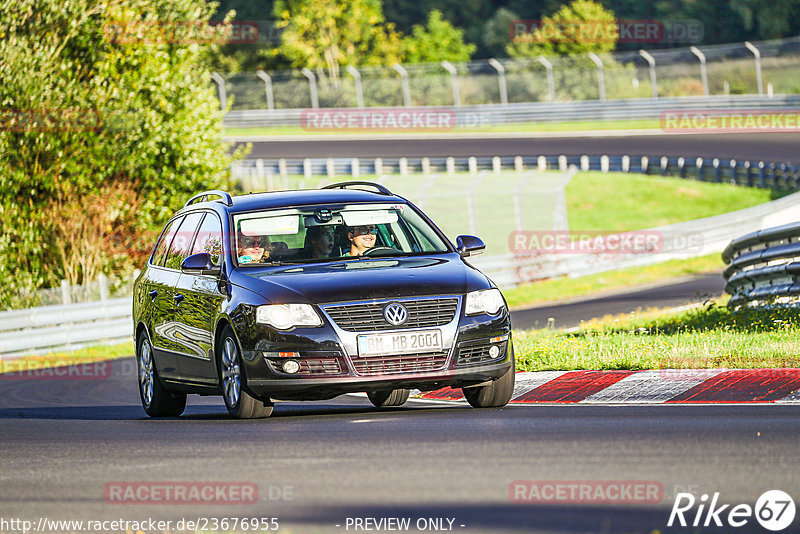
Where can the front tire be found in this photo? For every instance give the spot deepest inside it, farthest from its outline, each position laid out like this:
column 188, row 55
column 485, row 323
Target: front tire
column 395, row 397
column 239, row 402
column 496, row 394
column 156, row 400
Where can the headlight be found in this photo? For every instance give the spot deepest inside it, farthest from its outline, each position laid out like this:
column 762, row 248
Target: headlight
column 487, row 301
column 286, row 316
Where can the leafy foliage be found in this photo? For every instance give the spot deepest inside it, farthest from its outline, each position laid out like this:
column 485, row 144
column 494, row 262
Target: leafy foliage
column 120, row 125
column 437, row 41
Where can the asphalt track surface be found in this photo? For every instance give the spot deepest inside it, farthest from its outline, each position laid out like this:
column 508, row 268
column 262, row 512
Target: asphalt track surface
column 777, row 147
column 64, row 440
column 567, row 315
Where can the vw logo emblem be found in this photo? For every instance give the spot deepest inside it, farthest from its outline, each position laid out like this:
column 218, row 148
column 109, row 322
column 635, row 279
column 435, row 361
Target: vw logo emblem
column 395, row 314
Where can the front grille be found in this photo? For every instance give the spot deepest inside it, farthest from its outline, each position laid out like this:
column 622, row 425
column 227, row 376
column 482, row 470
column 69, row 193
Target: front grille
column 369, row 317
column 477, row 351
column 320, row 366
column 406, row 363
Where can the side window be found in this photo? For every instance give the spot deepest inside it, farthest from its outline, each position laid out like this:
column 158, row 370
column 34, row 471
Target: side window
column 209, row 238
column 181, row 243
column 166, row 239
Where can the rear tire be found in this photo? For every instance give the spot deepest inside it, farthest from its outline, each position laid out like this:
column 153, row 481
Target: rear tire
column 156, row 400
column 494, row 395
column 238, row 401
column 382, row 399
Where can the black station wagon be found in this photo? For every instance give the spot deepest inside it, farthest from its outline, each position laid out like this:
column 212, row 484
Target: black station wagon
column 307, row 295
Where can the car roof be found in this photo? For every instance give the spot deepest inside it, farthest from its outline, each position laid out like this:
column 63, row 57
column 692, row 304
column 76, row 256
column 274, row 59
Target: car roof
column 295, row 198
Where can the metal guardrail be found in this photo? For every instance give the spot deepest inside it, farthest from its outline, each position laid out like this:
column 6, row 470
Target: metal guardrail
column 64, row 327
column 764, row 266
column 497, row 114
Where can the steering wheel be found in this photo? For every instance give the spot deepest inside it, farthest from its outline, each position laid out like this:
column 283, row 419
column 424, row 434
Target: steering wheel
column 374, row 251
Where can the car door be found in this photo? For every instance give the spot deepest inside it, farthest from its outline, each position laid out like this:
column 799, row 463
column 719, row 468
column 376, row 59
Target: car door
column 167, row 337
column 200, row 301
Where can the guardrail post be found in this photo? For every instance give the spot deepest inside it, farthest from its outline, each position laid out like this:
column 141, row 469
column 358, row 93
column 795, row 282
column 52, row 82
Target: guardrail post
column 717, row 172
column 65, row 296
column 762, row 175
column 223, row 95
column 403, row 83
column 551, row 85
column 501, row 79
column 748, row 173
column 519, row 165
column 330, row 168
column 450, row 164
column 651, row 61
column 453, row 81
column 379, row 167
column 541, row 163
column 259, row 173
column 355, row 167
column 601, row 78
column 357, row 79
column 626, row 164
column 645, row 164
column 496, row 164
column 682, row 167
column 283, row 171
column 699, row 163
column 664, row 165
column 426, row 165
column 268, row 88
column 703, row 70
column 734, row 170
column 472, row 163
column 584, row 163
column 604, row 163
column 312, row 86
column 307, row 169
column 102, row 282
column 562, row 163
column 403, row 167
column 757, row 54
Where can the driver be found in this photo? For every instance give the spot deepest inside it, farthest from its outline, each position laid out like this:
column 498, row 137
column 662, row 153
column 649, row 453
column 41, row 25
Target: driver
column 361, row 239
column 253, row 249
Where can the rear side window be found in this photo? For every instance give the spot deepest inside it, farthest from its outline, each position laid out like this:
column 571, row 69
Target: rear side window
column 181, row 243
column 166, row 240
column 209, row 238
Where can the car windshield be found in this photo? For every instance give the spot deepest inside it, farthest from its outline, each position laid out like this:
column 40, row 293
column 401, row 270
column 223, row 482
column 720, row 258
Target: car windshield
column 326, row 232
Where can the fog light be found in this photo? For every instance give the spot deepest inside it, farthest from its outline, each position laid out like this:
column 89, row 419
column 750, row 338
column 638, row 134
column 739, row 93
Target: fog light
column 494, row 351
column 291, row 366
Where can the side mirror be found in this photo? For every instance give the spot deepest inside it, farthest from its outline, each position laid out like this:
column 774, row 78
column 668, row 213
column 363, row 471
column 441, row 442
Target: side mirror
column 469, row 245
column 200, row 264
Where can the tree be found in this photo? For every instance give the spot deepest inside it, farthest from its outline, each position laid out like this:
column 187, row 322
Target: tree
column 102, row 102
column 327, row 35
column 437, row 41
column 578, row 28
column 497, row 32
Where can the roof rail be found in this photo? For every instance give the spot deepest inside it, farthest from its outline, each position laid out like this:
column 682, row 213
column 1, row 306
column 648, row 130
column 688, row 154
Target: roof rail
column 203, row 197
column 346, row 185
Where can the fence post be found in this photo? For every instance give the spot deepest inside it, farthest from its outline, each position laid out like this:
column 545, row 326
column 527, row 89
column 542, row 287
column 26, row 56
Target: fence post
column 312, row 86
column 357, row 79
column 102, row 281
column 268, row 87
column 404, row 84
column 651, row 61
column 757, row 54
column 703, row 70
column 223, row 95
column 601, row 78
column 551, row 85
column 65, row 296
column 501, row 79
column 453, row 81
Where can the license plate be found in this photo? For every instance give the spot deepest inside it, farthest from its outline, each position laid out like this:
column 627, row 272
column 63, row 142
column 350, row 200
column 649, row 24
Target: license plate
column 399, row 343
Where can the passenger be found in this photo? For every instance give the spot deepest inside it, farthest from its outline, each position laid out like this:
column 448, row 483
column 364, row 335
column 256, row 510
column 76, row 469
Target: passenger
column 318, row 242
column 362, row 238
column 253, row 249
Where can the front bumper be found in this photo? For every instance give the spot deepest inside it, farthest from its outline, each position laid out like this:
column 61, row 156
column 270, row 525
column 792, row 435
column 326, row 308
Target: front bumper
column 330, row 364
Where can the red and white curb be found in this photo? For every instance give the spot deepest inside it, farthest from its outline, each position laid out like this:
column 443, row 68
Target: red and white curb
column 665, row 386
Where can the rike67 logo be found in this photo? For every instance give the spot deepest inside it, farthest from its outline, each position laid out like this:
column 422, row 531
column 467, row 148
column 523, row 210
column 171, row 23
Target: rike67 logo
column 774, row 511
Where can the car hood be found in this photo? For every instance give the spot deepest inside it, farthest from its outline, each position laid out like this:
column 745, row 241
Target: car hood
column 363, row 279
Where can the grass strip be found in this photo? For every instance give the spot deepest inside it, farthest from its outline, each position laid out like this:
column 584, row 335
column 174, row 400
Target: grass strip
column 59, row 359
